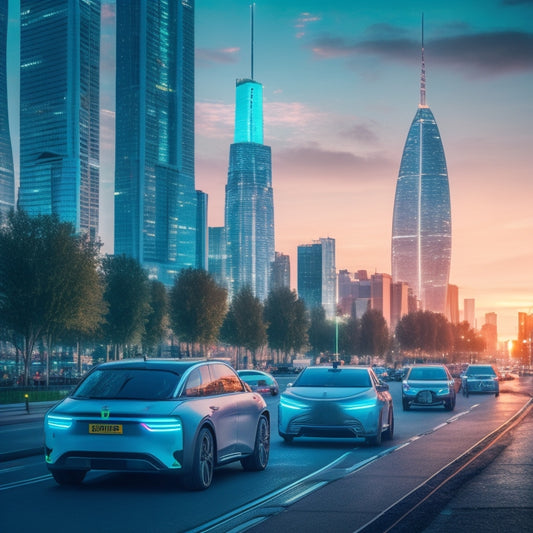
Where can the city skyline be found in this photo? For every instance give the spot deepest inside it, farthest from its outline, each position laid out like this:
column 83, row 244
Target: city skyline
column 340, row 84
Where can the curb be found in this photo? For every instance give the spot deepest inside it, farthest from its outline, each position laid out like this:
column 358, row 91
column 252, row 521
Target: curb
column 20, row 454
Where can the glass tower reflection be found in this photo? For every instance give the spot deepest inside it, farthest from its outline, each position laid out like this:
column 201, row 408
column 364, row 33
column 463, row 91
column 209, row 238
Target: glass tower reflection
column 155, row 196
column 421, row 227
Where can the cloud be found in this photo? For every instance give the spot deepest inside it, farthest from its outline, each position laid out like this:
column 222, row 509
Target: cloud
column 214, row 119
column 303, row 20
column 489, row 53
column 206, row 56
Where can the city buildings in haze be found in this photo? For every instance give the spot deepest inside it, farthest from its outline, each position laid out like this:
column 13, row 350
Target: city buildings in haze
column 421, row 226
column 470, row 312
column 155, row 196
column 452, row 304
column 216, row 264
column 280, row 272
column 249, row 202
column 59, row 110
column 202, row 252
column 7, row 175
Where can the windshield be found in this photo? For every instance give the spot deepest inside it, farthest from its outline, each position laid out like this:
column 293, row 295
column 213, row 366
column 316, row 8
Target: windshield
column 330, row 377
column 480, row 370
column 431, row 374
column 133, row 384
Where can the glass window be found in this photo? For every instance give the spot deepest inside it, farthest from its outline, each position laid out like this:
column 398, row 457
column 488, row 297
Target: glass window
column 226, row 379
column 199, row 383
column 333, row 377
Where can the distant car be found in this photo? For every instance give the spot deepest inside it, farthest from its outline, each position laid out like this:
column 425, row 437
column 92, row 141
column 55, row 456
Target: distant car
column 179, row 416
column 480, row 378
column 339, row 402
column 381, row 372
column 428, row 385
column 259, row 381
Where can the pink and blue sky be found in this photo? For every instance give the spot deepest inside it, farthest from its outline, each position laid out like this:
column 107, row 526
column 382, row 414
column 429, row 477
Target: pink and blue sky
column 341, row 87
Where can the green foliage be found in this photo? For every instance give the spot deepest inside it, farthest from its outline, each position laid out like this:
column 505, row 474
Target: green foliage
column 350, row 336
column 374, row 333
column 287, row 320
column 197, row 307
column 157, row 319
column 244, row 325
column 127, row 296
column 321, row 332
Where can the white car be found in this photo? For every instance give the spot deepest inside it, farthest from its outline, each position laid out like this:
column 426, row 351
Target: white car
column 182, row 416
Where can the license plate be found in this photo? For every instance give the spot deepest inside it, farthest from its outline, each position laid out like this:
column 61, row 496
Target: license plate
column 106, row 429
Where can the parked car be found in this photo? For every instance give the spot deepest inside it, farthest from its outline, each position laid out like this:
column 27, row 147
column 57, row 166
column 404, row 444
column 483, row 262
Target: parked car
column 336, row 401
column 381, row 372
column 428, row 385
column 259, row 381
column 157, row 415
column 480, row 378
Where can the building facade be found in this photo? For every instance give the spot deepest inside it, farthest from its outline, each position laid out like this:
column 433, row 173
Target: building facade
column 280, row 272
column 59, row 110
column 7, row 175
column 249, row 205
column 216, row 263
column 421, row 227
column 155, row 196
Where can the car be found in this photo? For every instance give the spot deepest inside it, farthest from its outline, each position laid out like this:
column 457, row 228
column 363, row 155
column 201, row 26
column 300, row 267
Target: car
column 260, row 381
column 336, row 401
column 480, row 378
column 427, row 386
column 381, row 372
column 184, row 416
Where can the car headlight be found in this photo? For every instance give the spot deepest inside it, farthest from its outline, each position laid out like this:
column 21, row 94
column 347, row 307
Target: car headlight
column 290, row 403
column 59, row 422
column 442, row 392
column 162, row 424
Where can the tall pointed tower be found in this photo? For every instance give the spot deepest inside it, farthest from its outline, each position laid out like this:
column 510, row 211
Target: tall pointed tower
column 421, row 225
column 249, row 209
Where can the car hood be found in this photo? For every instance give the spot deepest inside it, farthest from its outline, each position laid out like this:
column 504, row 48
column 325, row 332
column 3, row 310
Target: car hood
column 116, row 408
column 330, row 393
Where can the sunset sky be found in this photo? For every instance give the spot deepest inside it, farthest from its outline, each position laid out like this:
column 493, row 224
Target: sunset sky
column 341, row 86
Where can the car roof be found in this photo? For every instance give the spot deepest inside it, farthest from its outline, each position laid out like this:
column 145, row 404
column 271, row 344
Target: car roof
column 173, row 365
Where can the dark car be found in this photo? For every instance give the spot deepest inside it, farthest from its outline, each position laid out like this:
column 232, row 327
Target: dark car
column 427, row 386
column 259, row 381
column 480, row 378
column 185, row 417
column 337, row 402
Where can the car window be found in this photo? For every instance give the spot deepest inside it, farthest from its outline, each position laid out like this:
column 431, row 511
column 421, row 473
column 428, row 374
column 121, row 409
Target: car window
column 431, row 374
column 226, row 379
column 199, row 383
column 478, row 370
column 330, row 377
column 134, row 384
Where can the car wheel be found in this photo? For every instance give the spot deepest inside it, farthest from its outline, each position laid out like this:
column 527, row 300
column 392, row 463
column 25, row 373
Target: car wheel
column 405, row 405
column 259, row 458
column 69, row 477
column 376, row 439
column 389, row 433
column 203, row 462
column 449, row 405
column 497, row 394
column 286, row 438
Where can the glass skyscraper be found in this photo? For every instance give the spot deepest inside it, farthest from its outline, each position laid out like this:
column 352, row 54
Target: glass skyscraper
column 155, row 196
column 249, row 209
column 59, row 110
column 7, row 176
column 421, row 226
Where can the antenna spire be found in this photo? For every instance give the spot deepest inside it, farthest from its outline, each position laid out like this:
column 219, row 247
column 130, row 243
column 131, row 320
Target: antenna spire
column 252, row 6
column 423, row 73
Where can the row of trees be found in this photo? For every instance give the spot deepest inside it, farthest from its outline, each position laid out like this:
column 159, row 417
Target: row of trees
column 55, row 288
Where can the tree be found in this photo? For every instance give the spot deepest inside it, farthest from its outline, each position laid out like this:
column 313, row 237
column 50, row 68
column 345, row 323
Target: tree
column 350, row 336
column 197, row 307
column 127, row 295
column 48, row 281
column 244, row 325
column 374, row 333
column 287, row 322
column 321, row 332
column 157, row 319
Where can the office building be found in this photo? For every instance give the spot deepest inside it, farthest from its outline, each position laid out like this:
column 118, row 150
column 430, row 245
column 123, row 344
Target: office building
column 7, row 175
column 59, row 110
column 452, row 304
column 202, row 250
column 399, row 303
column 216, row 264
column 421, row 227
column 380, row 293
column 155, row 196
column 317, row 275
column 281, row 272
column 470, row 311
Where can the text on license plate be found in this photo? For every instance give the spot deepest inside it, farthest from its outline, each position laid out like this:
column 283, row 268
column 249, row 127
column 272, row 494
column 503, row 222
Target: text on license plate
column 106, row 429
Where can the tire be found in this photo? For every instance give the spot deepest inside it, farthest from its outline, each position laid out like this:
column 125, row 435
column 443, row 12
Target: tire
column 258, row 460
column 201, row 474
column 405, row 405
column 69, row 477
column 389, row 433
column 376, row 439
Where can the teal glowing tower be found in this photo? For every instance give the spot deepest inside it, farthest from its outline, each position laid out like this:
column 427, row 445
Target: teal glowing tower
column 421, row 226
column 155, row 196
column 60, row 110
column 7, row 176
column 249, row 208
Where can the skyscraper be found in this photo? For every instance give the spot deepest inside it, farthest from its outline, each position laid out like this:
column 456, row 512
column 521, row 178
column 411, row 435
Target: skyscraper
column 7, row 176
column 249, row 208
column 155, row 196
column 421, row 226
column 59, row 110
column 317, row 275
